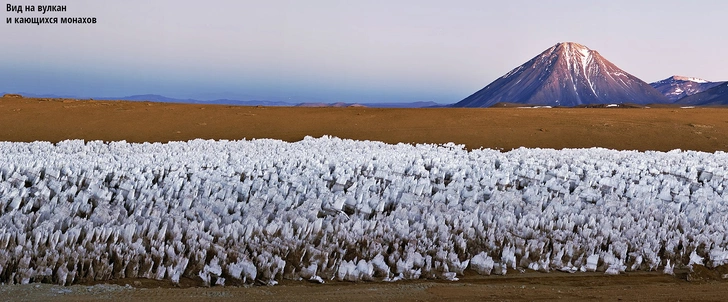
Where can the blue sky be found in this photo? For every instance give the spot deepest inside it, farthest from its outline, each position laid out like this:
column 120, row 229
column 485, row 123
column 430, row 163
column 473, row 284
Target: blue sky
column 349, row 51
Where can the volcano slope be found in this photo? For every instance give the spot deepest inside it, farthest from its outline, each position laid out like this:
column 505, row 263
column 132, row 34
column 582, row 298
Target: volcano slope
column 567, row 74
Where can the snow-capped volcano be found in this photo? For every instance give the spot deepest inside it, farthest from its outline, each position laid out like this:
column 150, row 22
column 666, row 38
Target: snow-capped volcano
column 678, row 87
column 567, row 74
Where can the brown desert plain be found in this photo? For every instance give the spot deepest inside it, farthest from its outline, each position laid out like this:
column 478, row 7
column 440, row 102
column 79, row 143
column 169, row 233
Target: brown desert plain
column 662, row 129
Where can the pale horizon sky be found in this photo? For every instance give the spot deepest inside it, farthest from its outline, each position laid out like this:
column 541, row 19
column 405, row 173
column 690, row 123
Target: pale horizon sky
column 348, row 51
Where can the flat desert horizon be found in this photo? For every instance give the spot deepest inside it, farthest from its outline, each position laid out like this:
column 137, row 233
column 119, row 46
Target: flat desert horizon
column 660, row 129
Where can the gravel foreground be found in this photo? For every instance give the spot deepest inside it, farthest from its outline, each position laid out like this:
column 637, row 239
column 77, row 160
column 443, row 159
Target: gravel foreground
column 528, row 286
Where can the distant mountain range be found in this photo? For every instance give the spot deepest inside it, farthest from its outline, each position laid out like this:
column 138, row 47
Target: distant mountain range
column 163, row 99
column 373, row 105
column 570, row 74
column 678, row 87
column 716, row 96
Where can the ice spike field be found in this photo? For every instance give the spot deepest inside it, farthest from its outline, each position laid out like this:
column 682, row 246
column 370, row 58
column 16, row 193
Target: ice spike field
column 261, row 211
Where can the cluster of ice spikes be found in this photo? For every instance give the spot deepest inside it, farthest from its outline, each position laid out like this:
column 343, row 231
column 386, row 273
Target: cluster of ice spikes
column 260, row 211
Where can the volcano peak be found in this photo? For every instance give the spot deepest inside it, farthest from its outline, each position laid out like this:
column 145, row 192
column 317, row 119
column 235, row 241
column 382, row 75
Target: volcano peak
column 566, row 74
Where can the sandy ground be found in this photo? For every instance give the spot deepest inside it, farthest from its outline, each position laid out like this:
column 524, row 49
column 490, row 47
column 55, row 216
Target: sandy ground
column 527, row 286
column 704, row 129
column 664, row 129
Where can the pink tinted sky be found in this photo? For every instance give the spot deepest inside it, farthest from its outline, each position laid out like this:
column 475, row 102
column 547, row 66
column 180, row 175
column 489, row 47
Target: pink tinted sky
column 351, row 51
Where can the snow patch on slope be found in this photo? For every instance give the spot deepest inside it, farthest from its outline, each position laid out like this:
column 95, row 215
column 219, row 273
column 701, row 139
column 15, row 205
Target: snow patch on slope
column 690, row 79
